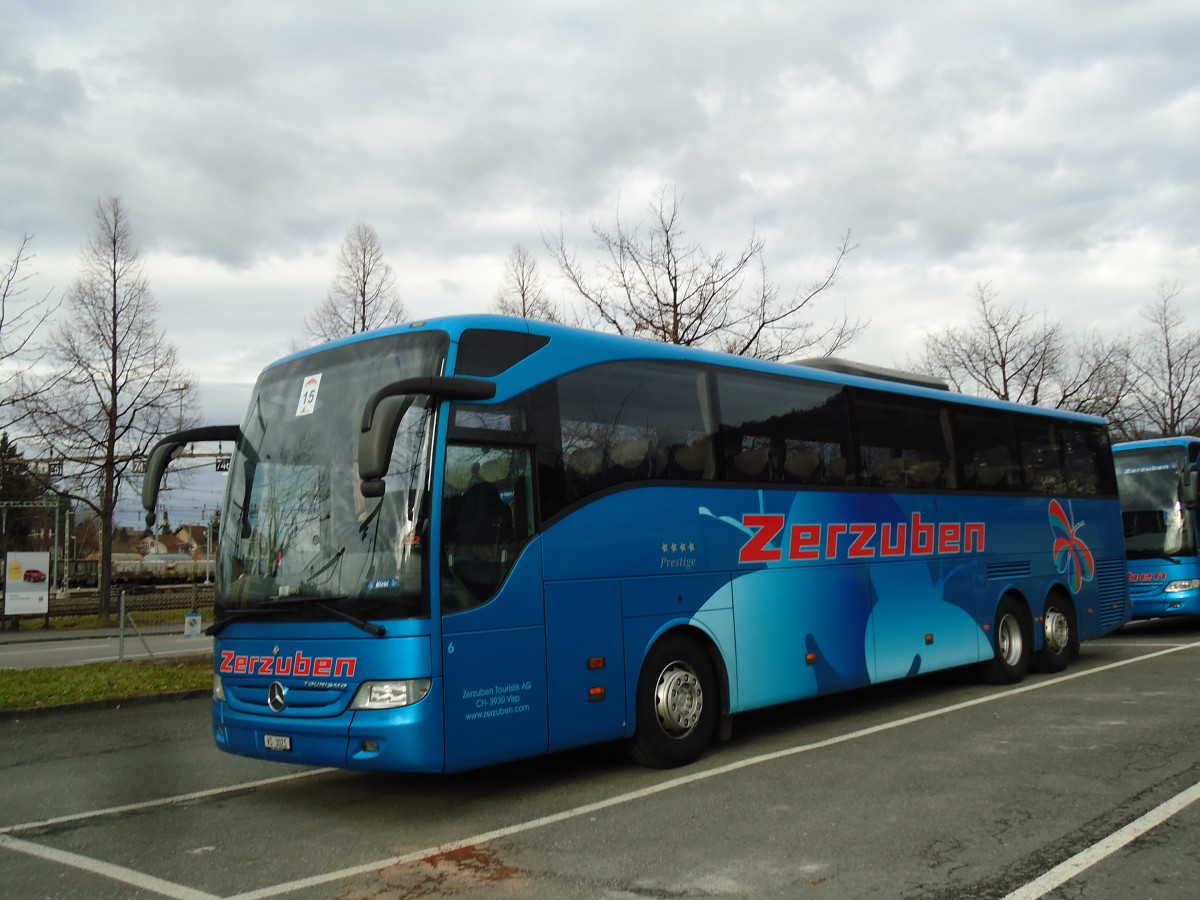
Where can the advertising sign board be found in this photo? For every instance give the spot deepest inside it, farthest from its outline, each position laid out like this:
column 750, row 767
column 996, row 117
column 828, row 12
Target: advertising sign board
column 26, row 584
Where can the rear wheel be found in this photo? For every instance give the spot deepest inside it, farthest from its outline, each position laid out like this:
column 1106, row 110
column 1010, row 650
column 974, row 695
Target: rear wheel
column 1060, row 640
column 676, row 704
column 1012, row 643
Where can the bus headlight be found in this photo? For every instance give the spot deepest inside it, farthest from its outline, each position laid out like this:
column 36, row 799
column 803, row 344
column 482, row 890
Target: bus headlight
column 218, row 688
column 1186, row 584
column 390, row 694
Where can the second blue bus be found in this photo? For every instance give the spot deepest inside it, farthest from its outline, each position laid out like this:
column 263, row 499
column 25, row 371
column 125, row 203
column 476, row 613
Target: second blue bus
column 1157, row 481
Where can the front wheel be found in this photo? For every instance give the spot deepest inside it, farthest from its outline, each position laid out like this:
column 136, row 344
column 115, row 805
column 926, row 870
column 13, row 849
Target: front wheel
column 676, row 705
column 1060, row 639
column 1012, row 642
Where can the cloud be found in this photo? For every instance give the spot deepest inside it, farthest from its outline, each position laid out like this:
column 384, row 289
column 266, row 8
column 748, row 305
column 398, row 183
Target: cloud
column 1049, row 148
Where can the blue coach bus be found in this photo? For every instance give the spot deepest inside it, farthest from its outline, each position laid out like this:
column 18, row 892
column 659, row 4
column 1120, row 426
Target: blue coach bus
column 1157, row 482
column 476, row 539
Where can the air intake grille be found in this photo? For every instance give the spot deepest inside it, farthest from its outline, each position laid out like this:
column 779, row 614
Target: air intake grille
column 1006, row 571
column 1146, row 589
column 1114, row 594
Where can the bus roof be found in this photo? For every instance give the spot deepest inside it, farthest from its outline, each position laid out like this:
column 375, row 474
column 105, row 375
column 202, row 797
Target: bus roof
column 849, row 367
column 570, row 349
column 1183, row 440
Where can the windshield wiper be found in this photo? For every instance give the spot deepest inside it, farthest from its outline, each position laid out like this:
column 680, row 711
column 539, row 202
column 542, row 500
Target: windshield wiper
column 1152, row 554
column 368, row 627
column 233, row 614
column 1168, row 557
column 323, row 604
column 289, row 604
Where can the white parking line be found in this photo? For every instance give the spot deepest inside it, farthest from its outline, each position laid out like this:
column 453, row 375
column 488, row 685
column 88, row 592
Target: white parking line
column 174, row 890
column 164, row 801
column 1085, row 859
column 136, row 879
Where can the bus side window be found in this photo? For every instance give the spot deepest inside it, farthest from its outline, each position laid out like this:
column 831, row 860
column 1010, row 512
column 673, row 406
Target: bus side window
column 585, row 471
column 693, row 459
column 986, row 444
column 629, row 421
column 1084, row 454
column 902, row 442
column 630, row 459
column 777, row 430
column 752, row 463
column 487, row 518
column 1041, row 467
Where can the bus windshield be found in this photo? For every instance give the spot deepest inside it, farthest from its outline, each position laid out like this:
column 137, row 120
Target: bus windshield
column 1154, row 519
column 298, row 536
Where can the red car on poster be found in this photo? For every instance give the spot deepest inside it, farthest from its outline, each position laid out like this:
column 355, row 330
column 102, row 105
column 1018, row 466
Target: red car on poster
column 35, row 575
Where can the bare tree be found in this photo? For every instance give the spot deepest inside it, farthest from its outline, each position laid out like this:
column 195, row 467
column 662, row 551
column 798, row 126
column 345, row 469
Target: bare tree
column 1094, row 376
column 363, row 294
column 523, row 293
column 1013, row 354
column 20, row 319
column 20, row 489
column 1165, row 398
column 115, row 383
column 1005, row 352
column 661, row 287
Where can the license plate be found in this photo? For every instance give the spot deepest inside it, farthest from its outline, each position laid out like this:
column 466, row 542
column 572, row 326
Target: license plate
column 279, row 742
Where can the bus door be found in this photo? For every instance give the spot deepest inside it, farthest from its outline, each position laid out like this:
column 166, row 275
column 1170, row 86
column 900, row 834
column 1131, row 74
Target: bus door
column 493, row 619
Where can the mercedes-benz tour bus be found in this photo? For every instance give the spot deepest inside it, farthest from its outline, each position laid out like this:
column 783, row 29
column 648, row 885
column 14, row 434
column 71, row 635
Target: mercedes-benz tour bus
column 468, row 540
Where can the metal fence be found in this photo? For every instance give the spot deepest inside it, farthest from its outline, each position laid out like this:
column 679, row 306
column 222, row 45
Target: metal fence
column 187, row 609
column 155, row 610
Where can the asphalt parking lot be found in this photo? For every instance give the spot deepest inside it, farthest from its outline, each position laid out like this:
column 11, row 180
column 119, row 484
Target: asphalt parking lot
column 940, row 787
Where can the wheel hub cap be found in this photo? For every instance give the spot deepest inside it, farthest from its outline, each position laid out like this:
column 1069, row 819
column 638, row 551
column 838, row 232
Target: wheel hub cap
column 678, row 700
column 1058, row 632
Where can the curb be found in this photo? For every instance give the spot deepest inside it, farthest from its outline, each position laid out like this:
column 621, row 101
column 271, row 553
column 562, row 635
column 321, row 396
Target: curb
column 30, row 637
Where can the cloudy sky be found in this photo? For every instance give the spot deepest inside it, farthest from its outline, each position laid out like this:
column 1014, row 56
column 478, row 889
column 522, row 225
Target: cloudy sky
column 1049, row 148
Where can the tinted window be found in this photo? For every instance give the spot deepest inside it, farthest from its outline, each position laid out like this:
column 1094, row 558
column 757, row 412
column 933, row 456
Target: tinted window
column 1041, row 467
column 782, row 430
column 1087, row 460
column 501, row 422
column 629, row 421
column 902, row 442
column 986, row 446
column 484, row 352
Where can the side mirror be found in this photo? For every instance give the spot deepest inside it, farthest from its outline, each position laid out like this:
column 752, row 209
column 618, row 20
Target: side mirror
column 169, row 448
column 387, row 406
column 1189, row 486
column 376, row 442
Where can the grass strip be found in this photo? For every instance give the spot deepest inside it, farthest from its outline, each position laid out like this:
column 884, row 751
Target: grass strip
column 60, row 685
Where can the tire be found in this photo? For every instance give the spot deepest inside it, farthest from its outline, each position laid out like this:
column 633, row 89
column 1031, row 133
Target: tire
column 1060, row 635
column 676, row 705
column 1012, row 643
